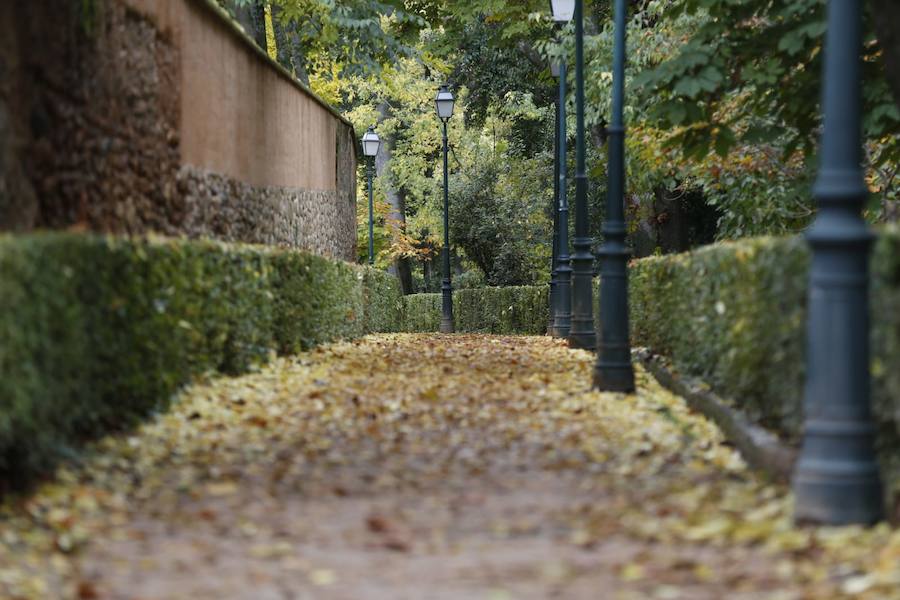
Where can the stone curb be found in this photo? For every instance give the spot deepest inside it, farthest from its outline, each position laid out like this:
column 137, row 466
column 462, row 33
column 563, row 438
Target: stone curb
column 760, row 448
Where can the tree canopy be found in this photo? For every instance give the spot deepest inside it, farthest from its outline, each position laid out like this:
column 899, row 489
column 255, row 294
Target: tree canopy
column 722, row 108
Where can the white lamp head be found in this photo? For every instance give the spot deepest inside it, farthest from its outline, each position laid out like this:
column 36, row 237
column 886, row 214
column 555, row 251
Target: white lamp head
column 371, row 142
column 443, row 103
column 562, row 10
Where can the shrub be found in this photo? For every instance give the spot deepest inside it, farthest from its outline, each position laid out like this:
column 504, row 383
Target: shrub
column 97, row 332
column 507, row 310
column 735, row 315
column 421, row 313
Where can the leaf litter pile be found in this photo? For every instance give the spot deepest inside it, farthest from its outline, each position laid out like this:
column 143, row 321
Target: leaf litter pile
column 426, row 467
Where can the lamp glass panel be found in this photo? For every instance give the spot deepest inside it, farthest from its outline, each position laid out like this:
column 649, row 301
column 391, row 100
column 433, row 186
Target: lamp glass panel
column 371, row 143
column 444, row 103
column 563, row 10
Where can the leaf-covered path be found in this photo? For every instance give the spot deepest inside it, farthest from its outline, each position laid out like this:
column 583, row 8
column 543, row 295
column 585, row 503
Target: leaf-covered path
column 426, row 467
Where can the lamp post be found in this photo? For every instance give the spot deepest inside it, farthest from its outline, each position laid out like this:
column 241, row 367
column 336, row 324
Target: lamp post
column 443, row 103
column 836, row 478
column 582, row 333
column 370, row 144
column 562, row 11
column 554, row 209
column 613, row 372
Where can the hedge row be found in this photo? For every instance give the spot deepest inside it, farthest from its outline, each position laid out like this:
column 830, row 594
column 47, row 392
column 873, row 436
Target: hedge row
column 735, row 315
column 508, row 310
column 97, row 332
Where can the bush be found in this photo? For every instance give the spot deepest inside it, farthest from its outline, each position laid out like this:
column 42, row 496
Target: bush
column 316, row 300
column 732, row 314
column 735, row 315
column 510, row 310
column 96, row 332
column 383, row 302
column 421, row 313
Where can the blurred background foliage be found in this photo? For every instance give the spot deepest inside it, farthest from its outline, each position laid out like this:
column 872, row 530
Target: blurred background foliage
column 722, row 110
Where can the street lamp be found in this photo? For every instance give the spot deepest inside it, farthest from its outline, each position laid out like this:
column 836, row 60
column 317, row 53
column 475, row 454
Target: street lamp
column 370, row 144
column 613, row 372
column 582, row 333
column 443, row 104
column 554, row 211
column 562, row 13
column 836, row 478
column 562, row 10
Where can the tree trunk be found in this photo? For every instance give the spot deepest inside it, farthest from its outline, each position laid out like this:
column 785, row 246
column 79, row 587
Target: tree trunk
column 401, row 267
column 287, row 43
column 887, row 16
column 252, row 17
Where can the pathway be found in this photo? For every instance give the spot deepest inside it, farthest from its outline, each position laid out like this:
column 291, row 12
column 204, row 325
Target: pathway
column 426, row 467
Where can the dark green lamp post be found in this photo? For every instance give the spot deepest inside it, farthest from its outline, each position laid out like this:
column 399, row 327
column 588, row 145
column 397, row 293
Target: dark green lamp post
column 370, row 144
column 443, row 103
column 582, row 333
column 562, row 11
column 614, row 372
column 836, row 480
column 554, row 211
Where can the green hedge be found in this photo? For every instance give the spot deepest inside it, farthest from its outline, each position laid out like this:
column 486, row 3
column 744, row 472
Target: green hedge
column 383, row 302
column 732, row 314
column 735, row 315
column 421, row 313
column 509, row 310
column 97, row 332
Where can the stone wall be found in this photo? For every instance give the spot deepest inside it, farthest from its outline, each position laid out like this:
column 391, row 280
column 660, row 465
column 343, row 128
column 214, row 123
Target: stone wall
column 222, row 208
column 135, row 116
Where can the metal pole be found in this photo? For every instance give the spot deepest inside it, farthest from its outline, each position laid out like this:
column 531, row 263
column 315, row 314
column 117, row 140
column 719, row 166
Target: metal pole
column 371, row 217
column 554, row 207
column 836, row 480
column 582, row 334
column 563, row 266
column 446, row 287
column 614, row 372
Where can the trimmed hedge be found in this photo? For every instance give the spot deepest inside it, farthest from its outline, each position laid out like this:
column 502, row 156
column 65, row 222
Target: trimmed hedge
column 383, row 302
column 97, row 332
column 508, row 310
column 421, row 313
column 734, row 314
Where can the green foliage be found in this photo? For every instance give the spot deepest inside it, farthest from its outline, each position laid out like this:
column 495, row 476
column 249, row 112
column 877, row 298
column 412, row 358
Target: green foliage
column 739, row 100
column 98, row 332
column 498, row 216
column 354, row 37
column 734, row 314
column 522, row 310
column 307, row 286
column 383, row 302
column 421, row 313
column 768, row 54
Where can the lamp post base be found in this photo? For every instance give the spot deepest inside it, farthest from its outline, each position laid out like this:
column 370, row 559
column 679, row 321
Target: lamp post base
column 830, row 492
column 614, row 377
column 583, row 341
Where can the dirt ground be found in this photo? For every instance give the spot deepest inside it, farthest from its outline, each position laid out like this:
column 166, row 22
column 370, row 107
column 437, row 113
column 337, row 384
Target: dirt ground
column 427, row 467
